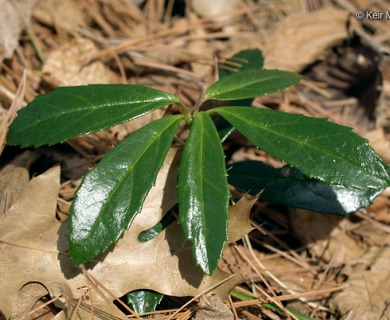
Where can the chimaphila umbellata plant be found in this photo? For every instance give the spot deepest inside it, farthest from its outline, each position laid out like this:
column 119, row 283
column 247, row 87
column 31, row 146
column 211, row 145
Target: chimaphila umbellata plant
column 113, row 192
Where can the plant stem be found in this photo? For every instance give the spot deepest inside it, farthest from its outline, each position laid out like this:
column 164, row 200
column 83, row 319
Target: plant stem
column 199, row 105
column 184, row 111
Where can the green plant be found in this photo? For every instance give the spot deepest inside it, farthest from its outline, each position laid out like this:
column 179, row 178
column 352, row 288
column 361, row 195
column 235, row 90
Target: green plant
column 112, row 194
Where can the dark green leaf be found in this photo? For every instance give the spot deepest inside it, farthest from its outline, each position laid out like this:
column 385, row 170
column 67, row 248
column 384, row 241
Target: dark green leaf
column 289, row 187
column 144, row 300
column 70, row 111
column 318, row 148
column 113, row 192
column 224, row 129
column 249, row 59
column 203, row 193
column 251, row 84
column 155, row 230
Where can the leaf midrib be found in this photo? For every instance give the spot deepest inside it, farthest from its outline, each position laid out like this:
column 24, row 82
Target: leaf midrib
column 203, row 229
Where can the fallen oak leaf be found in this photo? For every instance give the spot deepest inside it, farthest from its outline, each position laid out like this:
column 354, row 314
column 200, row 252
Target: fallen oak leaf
column 22, row 260
column 239, row 224
column 33, row 248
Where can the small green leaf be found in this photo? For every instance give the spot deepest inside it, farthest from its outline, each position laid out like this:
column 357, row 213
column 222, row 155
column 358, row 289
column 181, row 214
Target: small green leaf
column 112, row 193
column 70, row 111
column 289, row 187
column 251, row 84
column 203, row 193
column 318, row 148
column 154, row 231
column 248, row 59
column 144, row 300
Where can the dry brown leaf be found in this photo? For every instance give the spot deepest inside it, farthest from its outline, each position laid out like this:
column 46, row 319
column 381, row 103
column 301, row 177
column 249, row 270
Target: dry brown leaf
column 67, row 66
column 211, row 307
column 14, row 177
column 29, row 297
column 239, row 224
column 14, row 16
column 300, row 39
column 17, row 263
column 34, row 248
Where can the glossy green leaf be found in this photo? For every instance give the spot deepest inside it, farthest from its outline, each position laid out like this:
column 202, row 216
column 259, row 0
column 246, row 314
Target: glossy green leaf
column 289, row 187
column 112, row 193
column 155, row 230
column 70, row 111
column 144, row 300
column 318, row 148
column 248, row 59
column 251, row 84
column 203, row 193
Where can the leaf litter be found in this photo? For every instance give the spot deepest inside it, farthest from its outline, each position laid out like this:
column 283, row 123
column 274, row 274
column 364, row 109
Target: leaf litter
column 31, row 236
column 157, row 46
